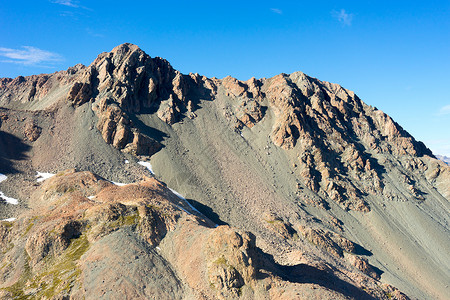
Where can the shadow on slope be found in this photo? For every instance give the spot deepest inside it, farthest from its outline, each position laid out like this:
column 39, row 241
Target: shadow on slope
column 303, row 273
column 11, row 148
column 207, row 212
column 147, row 130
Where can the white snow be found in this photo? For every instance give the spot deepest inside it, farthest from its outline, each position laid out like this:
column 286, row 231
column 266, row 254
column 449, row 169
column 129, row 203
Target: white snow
column 183, row 209
column 8, row 199
column 91, row 197
column 177, row 194
column 9, row 220
column 182, row 198
column 119, row 183
column 43, row 176
column 127, row 161
column 3, row 177
column 147, row 165
column 157, row 248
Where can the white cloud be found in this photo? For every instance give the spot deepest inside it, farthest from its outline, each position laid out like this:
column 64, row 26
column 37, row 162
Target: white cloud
column 29, row 56
column 94, row 34
column 343, row 17
column 277, row 11
column 69, row 3
column 445, row 110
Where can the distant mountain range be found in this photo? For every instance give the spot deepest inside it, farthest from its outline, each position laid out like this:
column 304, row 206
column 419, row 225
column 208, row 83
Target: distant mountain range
column 128, row 179
column 444, row 158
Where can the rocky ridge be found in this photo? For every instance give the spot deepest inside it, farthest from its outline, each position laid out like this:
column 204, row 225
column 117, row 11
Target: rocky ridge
column 339, row 155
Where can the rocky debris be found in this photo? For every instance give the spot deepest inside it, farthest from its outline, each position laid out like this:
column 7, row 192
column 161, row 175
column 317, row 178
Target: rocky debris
column 231, row 255
column 167, row 111
column 276, row 224
column 332, row 242
column 336, row 223
column 142, row 145
column 249, row 112
column 31, row 131
column 362, row 264
column 36, row 88
column 391, row 292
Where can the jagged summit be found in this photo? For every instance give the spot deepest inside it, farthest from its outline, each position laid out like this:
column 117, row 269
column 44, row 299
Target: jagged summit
column 328, row 186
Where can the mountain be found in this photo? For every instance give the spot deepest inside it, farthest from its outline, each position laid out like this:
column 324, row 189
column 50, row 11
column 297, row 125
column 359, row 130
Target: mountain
column 292, row 188
column 444, row 158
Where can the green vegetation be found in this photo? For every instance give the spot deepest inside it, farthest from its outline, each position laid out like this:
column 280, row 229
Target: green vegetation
column 62, row 272
column 275, row 221
column 127, row 220
column 8, row 247
column 17, row 290
column 58, row 276
column 222, row 261
column 6, row 224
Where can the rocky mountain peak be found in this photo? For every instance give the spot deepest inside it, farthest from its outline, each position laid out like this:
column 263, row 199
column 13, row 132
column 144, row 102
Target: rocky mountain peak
column 326, row 193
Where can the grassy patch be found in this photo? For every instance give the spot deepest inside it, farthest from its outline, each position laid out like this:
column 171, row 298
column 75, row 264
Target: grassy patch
column 17, row 290
column 30, row 225
column 127, row 220
column 62, row 272
column 6, row 224
column 57, row 278
column 221, row 261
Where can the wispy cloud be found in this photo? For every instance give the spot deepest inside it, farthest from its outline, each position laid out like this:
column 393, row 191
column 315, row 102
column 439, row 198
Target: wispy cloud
column 69, row 3
column 277, row 11
column 343, row 17
column 94, row 33
column 74, row 4
column 445, row 110
column 29, row 56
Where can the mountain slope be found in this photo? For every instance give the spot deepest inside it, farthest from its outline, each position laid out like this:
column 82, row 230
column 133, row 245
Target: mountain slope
column 318, row 176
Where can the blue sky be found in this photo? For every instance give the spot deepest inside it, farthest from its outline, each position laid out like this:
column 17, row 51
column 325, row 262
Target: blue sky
column 394, row 54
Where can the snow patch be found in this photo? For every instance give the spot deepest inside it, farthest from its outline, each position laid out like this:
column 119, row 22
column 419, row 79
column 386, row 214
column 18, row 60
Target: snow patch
column 182, row 198
column 119, row 183
column 127, row 161
column 147, row 165
column 8, row 200
column 91, row 197
column 177, row 194
column 9, row 220
column 183, row 209
column 43, row 176
column 3, row 177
